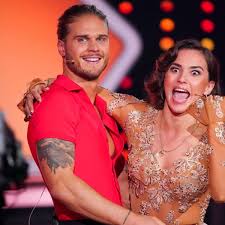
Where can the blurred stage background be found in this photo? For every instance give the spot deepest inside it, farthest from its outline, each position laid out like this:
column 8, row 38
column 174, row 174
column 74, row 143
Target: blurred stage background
column 140, row 30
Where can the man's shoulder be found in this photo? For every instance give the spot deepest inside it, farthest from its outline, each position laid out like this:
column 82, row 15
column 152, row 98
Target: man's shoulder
column 56, row 102
column 58, row 94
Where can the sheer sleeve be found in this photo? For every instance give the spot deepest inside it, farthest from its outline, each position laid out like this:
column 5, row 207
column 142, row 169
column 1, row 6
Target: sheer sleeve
column 119, row 101
column 211, row 112
column 119, row 105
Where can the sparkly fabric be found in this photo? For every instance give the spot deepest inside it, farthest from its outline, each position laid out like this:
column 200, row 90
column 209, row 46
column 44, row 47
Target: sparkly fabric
column 217, row 106
column 220, row 132
column 120, row 100
column 167, row 193
column 213, row 115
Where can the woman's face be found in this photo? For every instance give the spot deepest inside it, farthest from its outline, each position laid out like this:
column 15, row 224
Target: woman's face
column 186, row 79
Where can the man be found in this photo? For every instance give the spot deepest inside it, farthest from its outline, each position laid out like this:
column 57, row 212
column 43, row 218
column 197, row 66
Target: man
column 72, row 139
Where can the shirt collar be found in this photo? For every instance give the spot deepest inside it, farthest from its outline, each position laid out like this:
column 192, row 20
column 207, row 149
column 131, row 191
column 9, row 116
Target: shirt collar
column 70, row 85
column 67, row 83
column 106, row 118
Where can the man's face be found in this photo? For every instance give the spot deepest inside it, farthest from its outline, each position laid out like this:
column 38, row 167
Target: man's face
column 87, row 44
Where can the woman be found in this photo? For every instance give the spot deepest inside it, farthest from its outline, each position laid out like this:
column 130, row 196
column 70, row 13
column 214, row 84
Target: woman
column 176, row 139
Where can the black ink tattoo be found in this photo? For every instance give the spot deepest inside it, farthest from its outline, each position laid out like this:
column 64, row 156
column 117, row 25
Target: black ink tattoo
column 56, row 152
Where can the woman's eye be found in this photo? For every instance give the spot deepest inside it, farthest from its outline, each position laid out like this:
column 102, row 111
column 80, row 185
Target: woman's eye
column 174, row 69
column 195, row 72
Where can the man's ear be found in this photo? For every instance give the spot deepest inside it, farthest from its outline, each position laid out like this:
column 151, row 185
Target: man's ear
column 209, row 87
column 61, row 48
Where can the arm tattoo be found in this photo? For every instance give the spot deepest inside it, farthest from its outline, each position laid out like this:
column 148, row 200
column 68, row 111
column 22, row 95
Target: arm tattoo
column 56, row 152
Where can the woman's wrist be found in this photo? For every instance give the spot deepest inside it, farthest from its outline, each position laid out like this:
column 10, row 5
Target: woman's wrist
column 34, row 83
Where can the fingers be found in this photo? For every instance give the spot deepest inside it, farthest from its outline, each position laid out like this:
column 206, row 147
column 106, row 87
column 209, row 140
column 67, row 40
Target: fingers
column 45, row 89
column 42, row 88
column 37, row 90
column 29, row 109
column 33, row 94
column 36, row 93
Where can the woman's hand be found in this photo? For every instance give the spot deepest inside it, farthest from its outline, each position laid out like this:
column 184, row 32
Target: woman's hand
column 36, row 89
column 208, row 110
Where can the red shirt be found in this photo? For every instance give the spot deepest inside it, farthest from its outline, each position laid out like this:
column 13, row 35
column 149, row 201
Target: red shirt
column 67, row 113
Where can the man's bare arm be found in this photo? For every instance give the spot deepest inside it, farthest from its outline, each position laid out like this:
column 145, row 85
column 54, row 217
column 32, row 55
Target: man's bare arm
column 57, row 153
column 56, row 161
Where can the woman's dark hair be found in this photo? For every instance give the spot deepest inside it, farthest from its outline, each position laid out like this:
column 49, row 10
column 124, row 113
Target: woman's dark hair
column 76, row 11
column 154, row 85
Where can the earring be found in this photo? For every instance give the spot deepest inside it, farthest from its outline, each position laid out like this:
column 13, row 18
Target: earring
column 199, row 105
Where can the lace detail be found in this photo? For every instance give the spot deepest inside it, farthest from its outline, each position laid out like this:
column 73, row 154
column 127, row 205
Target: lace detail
column 204, row 205
column 152, row 187
column 170, row 217
column 220, row 132
column 199, row 105
column 164, row 193
column 120, row 101
column 216, row 105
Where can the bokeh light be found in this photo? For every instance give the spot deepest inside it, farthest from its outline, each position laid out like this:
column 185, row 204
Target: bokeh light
column 167, row 25
column 167, row 6
column 165, row 43
column 126, row 83
column 207, row 25
column 125, row 7
column 207, row 6
column 208, row 43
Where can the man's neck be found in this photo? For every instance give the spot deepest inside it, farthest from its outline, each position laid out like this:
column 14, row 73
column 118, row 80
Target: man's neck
column 90, row 87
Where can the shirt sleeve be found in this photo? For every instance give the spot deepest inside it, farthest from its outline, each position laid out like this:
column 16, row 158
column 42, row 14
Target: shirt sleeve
column 55, row 117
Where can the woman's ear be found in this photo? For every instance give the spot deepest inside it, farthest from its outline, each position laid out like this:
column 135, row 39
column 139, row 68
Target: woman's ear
column 209, row 87
column 61, row 48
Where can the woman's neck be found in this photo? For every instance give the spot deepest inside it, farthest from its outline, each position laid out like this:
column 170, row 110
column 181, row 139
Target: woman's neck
column 174, row 123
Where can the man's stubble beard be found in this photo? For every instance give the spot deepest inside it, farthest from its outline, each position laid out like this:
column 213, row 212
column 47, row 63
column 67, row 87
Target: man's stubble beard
column 85, row 74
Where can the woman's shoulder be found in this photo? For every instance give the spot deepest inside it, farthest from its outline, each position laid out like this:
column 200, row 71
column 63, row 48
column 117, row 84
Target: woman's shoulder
column 121, row 106
column 121, row 102
column 125, row 102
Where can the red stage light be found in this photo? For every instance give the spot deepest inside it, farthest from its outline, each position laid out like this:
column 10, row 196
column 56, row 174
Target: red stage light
column 126, row 83
column 207, row 6
column 207, row 25
column 125, row 7
column 167, row 6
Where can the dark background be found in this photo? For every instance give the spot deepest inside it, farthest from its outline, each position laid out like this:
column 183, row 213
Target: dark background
column 187, row 15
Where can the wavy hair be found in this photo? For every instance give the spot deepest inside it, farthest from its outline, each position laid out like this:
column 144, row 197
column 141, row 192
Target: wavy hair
column 154, row 85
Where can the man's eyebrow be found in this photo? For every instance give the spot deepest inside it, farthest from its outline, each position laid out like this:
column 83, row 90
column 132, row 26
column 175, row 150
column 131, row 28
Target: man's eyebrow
column 87, row 36
column 81, row 36
column 103, row 35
